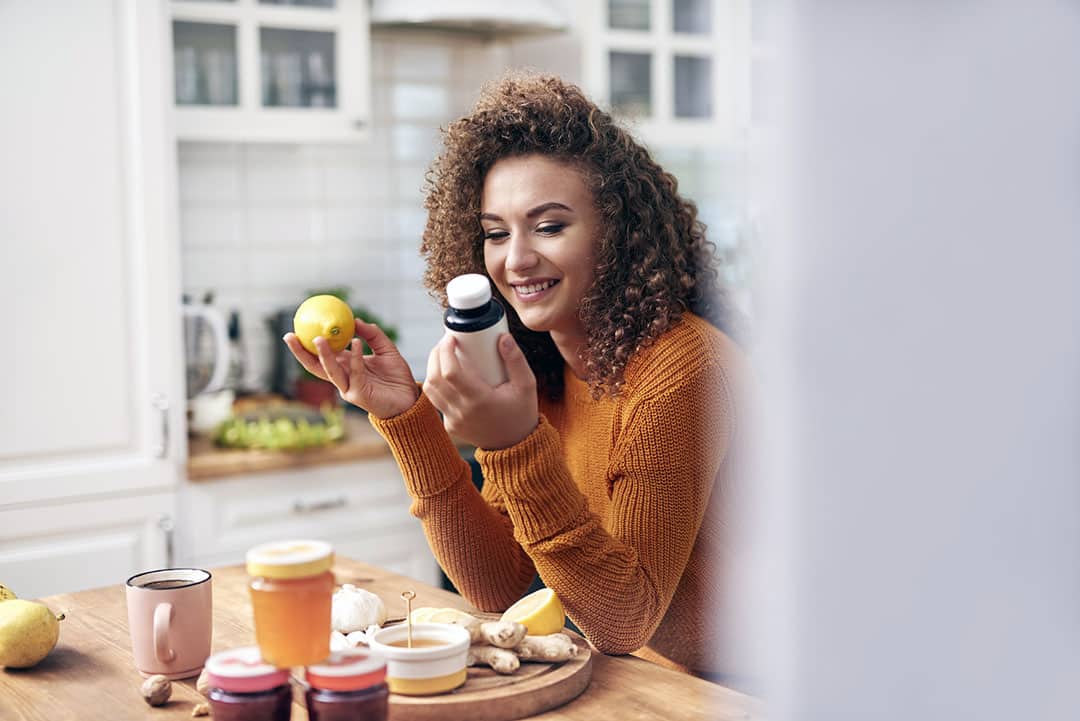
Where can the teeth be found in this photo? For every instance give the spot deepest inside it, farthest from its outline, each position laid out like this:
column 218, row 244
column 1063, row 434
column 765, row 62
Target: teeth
column 530, row 289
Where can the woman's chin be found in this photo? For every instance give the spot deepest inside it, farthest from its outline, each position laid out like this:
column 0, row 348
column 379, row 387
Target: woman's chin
column 534, row 323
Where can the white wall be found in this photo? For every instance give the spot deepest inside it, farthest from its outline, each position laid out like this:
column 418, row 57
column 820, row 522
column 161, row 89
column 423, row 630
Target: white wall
column 924, row 367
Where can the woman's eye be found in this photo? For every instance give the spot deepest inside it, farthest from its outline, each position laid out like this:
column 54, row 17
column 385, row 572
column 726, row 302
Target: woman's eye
column 550, row 228
column 495, row 234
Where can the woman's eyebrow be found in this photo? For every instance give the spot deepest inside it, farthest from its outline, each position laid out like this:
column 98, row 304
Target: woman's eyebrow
column 532, row 213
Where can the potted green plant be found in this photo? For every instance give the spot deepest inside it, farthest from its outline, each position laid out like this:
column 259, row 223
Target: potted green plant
column 316, row 392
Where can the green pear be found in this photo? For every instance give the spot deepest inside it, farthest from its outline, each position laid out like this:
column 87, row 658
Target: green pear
column 28, row 631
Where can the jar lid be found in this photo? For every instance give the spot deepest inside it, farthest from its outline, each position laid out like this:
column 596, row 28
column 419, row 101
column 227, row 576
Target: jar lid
column 290, row 559
column 242, row 670
column 468, row 291
column 349, row 670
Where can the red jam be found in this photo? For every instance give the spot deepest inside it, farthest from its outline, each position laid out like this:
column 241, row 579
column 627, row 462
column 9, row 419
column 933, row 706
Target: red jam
column 349, row 686
column 245, row 688
column 272, row 705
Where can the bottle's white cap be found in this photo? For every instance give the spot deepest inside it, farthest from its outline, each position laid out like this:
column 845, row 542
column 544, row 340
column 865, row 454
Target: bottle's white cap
column 467, row 291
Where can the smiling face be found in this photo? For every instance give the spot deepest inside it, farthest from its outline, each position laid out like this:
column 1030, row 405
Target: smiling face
column 540, row 232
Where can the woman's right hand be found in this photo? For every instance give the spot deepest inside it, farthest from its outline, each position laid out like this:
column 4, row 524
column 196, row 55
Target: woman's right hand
column 381, row 383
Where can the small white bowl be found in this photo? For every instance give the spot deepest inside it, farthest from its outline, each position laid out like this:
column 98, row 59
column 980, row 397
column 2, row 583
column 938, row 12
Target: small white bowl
column 423, row 670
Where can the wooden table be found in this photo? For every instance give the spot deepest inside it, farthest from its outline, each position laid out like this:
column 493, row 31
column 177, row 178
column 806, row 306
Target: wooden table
column 90, row 674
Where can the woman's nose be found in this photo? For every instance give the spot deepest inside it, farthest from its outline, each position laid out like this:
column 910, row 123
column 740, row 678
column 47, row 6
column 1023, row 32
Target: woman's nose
column 520, row 254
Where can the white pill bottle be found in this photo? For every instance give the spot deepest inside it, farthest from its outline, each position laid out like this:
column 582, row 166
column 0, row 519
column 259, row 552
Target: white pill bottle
column 476, row 320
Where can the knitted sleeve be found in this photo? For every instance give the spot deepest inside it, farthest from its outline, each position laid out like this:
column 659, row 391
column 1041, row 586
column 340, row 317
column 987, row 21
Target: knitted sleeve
column 469, row 532
column 616, row 577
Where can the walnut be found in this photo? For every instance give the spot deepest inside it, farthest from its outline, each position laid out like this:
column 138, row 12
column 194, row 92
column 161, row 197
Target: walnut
column 156, row 690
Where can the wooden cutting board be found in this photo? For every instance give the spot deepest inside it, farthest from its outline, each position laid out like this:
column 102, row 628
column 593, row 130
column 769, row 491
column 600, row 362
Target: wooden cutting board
column 487, row 696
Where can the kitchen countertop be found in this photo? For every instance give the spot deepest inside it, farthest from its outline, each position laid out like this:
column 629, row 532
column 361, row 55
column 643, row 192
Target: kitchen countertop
column 207, row 461
column 90, row 674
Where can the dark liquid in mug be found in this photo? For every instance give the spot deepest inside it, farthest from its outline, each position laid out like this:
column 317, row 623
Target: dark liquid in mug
column 167, row 583
column 418, row 643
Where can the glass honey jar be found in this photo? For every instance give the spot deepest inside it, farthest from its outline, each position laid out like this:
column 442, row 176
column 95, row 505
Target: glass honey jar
column 291, row 590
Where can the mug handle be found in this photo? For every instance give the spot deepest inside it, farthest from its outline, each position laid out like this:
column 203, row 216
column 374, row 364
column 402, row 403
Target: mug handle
column 162, row 617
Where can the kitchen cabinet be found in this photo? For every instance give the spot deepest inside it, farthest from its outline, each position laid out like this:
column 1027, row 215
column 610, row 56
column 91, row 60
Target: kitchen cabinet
column 64, row 547
column 91, row 376
column 676, row 69
column 361, row 508
column 256, row 70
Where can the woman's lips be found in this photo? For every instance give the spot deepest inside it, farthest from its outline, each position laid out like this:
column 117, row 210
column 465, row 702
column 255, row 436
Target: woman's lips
column 530, row 292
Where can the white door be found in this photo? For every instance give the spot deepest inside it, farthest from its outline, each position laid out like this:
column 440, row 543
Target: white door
column 90, row 367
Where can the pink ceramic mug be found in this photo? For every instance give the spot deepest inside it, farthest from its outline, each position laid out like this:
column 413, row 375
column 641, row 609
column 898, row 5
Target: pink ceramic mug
column 169, row 615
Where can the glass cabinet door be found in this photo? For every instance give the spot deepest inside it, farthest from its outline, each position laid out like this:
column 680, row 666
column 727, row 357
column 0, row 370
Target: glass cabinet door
column 204, row 63
column 665, row 60
column 298, row 68
column 693, row 86
column 631, row 83
column 272, row 70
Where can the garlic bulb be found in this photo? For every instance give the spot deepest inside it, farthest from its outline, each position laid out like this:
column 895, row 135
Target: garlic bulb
column 338, row 641
column 354, row 609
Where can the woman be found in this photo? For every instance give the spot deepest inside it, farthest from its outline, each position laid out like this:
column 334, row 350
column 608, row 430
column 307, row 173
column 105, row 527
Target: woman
column 607, row 454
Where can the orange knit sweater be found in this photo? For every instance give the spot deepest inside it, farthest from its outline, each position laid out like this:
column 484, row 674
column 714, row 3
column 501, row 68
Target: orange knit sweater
column 617, row 503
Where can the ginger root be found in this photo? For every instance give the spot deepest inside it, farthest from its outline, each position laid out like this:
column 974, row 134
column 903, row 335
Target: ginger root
column 501, row 660
column 200, row 709
column 203, row 684
column 551, row 648
column 501, row 634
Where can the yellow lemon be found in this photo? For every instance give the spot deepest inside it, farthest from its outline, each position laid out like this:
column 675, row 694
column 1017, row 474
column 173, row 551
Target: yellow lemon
column 324, row 315
column 6, row 593
column 541, row 612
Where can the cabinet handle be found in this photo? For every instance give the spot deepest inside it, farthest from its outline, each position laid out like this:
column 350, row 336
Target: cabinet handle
column 166, row 525
column 161, row 403
column 328, row 505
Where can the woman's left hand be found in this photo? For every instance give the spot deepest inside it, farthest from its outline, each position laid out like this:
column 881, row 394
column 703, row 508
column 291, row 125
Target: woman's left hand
column 489, row 417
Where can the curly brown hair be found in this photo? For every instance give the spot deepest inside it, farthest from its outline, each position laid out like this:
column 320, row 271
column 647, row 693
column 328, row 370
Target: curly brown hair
column 653, row 262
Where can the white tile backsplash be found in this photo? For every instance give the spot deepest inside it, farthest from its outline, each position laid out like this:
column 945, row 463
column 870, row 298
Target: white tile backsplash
column 299, row 228
column 213, row 226
column 277, row 174
column 412, row 101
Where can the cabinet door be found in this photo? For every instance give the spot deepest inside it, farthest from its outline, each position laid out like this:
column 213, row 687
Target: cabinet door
column 90, row 376
column 66, row 547
column 278, row 71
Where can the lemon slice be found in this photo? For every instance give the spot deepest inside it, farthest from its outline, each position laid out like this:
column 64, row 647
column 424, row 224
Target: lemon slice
column 428, row 614
column 541, row 612
column 422, row 614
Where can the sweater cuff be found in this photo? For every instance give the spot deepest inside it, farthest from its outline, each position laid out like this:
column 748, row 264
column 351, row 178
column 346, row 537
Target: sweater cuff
column 540, row 496
column 422, row 448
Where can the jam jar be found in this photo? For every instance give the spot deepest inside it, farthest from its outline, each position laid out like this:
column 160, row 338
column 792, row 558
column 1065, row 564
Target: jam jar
column 291, row 590
column 245, row 688
column 348, row 686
